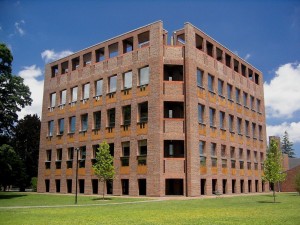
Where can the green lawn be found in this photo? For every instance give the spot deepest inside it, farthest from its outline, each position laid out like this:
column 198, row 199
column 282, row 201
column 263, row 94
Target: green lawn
column 252, row 210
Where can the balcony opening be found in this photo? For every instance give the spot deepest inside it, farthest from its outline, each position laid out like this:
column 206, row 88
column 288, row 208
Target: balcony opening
column 54, row 71
column 47, row 185
column 228, row 60
column 174, row 186
column 113, row 50
column 173, row 73
column 109, row 187
column 242, row 186
column 57, row 184
column 219, row 55
column 65, row 67
column 81, row 186
column 128, row 45
column 125, row 186
column 224, row 186
column 100, row 55
column 69, row 186
column 249, row 186
column 173, row 110
column 233, row 186
column 142, row 186
column 243, row 67
column 95, row 183
column 87, row 59
column 143, row 112
column 236, row 65
column 250, row 74
column 203, row 186
column 214, row 183
column 256, row 185
column 199, row 42
column 180, row 39
column 256, row 78
column 144, row 39
column 209, row 48
column 75, row 63
column 173, row 149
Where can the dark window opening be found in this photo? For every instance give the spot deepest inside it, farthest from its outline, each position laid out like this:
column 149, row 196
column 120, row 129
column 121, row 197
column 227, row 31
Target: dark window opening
column 65, row 67
column 256, row 185
column 203, row 186
column 214, row 186
column 143, row 112
column 142, row 186
column 174, row 187
column 144, row 39
column 256, row 78
column 54, row 71
column 236, row 65
column 173, row 73
column 242, row 186
column 47, row 184
column 57, row 184
column 209, row 48
column 109, row 187
column 87, row 59
column 126, row 110
column 219, row 55
column 125, row 186
column 111, row 117
column 112, row 149
column 173, row 110
column 75, row 63
column 81, row 186
column 249, row 186
column 128, row 45
column 233, row 186
column 224, row 186
column 243, row 70
column 95, row 183
column 113, row 50
column 228, row 60
column 173, row 149
column 199, row 42
column 100, row 55
column 69, row 186
column 250, row 74
column 180, row 39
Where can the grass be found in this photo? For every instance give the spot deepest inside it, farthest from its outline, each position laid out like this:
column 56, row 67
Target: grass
column 257, row 209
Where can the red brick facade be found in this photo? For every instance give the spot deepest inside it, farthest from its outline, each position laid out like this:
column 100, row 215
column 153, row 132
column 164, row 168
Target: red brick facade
column 162, row 125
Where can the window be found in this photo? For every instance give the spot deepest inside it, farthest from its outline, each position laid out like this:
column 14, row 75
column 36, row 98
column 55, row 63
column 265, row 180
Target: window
column 87, row 59
column 143, row 112
column 241, row 165
column 248, row 165
column 126, row 110
column 252, row 102
column 70, row 153
column 199, row 78
column 111, row 117
column 209, row 48
column 84, row 122
column 75, row 63
column 223, row 150
column 212, row 115
column 142, row 147
column 260, row 132
column 245, row 99
column 255, row 156
column 127, row 80
column 97, row 120
column 125, row 153
column 214, row 162
column 128, row 45
column 201, row 113
column 52, row 100
column 229, row 92
column 236, row 66
column 54, row 70
column 232, row 164
column 98, row 87
column 199, row 42
column 143, row 39
column 241, row 155
column 228, row 60
column 254, row 130
column 72, row 124
column 100, row 55
column 248, row 155
column 222, row 120
column 239, row 126
column 202, row 148
column 247, row 128
column 63, row 96
column 86, row 91
column 262, row 157
column 213, row 150
column 224, row 163
column 82, row 156
column 232, row 152
column 258, row 105
column 74, row 94
column 113, row 50
column 112, row 84
column 210, row 83
column 50, row 128
column 59, row 154
column 220, row 87
column 48, row 155
column 61, row 124
column 237, row 95
column 144, row 76
column 231, row 122
column 219, row 54
column 202, row 161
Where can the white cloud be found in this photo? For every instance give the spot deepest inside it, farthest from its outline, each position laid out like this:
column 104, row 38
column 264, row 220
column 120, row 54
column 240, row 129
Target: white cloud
column 293, row 130
column 30, row 74
column 282, row 94
column 247, row 56
column 18, row 27
column 51, row 55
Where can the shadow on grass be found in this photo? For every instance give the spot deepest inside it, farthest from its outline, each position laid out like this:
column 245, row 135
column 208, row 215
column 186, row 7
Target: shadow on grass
column 101, row 199
column 270, row 202
column 10, row 196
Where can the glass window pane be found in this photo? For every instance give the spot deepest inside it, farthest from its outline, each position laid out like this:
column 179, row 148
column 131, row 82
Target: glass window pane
column 113, row 84
column 99, row 84
column 128, row 80
column 144, row 75
column 53, row 100
column 86, row 91
column 63, row 97
column 199, row 78
column 74, row 94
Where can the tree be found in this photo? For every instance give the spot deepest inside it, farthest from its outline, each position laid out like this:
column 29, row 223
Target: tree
column 10, row 167
column 287, row 145
column 273, row 171
column 104, row 168
column 297, row 182
column 26, row 145
column 14, row 94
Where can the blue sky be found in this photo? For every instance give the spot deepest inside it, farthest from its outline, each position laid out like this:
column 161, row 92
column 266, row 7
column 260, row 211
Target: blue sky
column 266, row 33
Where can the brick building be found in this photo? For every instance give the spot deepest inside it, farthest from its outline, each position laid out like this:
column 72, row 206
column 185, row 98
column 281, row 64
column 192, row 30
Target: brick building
column 185, row 118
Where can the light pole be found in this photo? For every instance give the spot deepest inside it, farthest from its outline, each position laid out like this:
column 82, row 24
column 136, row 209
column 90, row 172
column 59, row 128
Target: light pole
column 77, row 150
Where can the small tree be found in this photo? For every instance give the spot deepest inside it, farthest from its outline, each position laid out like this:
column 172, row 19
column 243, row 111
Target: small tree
column 273, row 166
column 287, row 145
column 104, row 168
column 297, row 182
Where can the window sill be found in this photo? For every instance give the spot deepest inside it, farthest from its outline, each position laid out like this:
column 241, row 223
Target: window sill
column 230, row 100
column 221, row 96
column 201, row 87
column 82, row 131
column 232, row 132
column 223, row 129
column 212, row 92
column 202, row 124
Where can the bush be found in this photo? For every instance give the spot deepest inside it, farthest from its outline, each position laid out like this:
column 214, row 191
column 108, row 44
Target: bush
column 34, row 183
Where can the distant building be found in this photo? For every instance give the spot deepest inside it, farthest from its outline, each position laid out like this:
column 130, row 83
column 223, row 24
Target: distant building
column 186, row 118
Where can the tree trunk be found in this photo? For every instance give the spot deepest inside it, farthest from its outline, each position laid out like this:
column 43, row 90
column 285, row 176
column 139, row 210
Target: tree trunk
column 103, row 190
